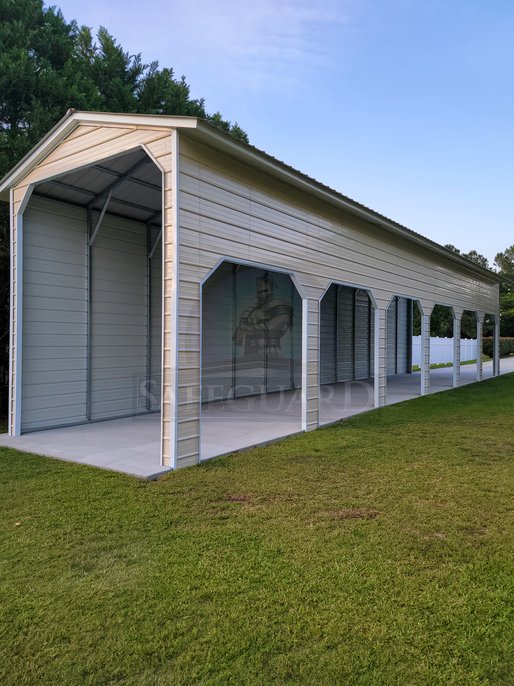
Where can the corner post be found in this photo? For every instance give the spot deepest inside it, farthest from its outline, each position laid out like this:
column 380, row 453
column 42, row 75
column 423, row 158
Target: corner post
column 457, row 316
column 380, row 357
column 425, row 351
column 480, row 345
column 310, row 363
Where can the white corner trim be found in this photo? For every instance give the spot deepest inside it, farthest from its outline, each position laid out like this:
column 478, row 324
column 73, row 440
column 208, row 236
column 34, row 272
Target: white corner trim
column 174, row 304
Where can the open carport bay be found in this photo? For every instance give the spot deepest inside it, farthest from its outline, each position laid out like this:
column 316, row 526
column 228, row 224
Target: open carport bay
column 131, row 444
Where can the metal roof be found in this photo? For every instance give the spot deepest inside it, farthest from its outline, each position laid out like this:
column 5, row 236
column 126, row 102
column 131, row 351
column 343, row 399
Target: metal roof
column 215, row 137
column 133, row 179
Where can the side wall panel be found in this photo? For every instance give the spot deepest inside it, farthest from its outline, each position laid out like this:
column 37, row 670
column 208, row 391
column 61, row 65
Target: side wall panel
column 156, row 326
column 55, row 315
column 118, row 319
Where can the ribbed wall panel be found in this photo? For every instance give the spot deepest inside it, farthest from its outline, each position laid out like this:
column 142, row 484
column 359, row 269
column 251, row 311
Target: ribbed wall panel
column 55, row 315
column 345, row 334
column 248, row 346
column 118, row 289
column 328, row 336
column 362, row 336
column 155, row 328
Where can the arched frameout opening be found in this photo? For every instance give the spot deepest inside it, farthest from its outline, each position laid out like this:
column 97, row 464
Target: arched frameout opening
column 488, row 347
column 468, row 348
column 92, row 308
column 346, row 352
column 251, row 358
column 401, row 382
column 441, row 348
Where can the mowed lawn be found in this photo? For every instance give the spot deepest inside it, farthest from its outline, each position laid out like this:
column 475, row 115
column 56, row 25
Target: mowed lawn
column 378, row 551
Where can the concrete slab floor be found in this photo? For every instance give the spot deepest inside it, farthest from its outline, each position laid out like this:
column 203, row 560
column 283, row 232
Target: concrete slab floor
column 132, row 445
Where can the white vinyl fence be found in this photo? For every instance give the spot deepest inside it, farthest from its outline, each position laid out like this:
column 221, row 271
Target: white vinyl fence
column 441, row 350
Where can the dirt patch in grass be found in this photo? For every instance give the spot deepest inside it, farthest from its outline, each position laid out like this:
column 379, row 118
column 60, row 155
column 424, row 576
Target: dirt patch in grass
column 237, row 498
column 352, row 513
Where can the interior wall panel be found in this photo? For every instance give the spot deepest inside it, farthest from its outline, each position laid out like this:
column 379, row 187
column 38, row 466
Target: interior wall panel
column 55, row 315
column 118, row 319
column 328, row 336
column 155, row 328
column 251, row 333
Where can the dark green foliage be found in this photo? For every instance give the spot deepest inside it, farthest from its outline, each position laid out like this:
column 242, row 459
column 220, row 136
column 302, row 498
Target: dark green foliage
column 505, row 261
column 506, row 346
column 48, row 65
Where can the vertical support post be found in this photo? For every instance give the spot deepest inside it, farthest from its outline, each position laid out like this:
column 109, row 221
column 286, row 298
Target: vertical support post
column 396, row 332
column 480, row 345
column 172, row 276
column 16, row 347
column 496, row 345
column 425, row 353
column 148, row 394
column 456, row 348
column 410, row 306
column 89, row 311
column 380, row 357
column 310, row 363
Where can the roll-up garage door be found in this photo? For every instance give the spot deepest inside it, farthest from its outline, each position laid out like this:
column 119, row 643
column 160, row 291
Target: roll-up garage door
column 118, row 319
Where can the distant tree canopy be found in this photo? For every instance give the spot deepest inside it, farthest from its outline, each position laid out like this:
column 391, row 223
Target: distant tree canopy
column 48, row 65
column 505, row 263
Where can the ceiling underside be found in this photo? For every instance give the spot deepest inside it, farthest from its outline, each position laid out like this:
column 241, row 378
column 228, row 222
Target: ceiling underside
column 132, row 179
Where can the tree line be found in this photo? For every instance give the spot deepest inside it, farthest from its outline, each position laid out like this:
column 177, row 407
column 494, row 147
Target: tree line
column 49, row 64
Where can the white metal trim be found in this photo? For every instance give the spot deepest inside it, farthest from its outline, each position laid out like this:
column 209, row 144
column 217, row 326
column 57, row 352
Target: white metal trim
column 257, row 265
column 163, row 300
column 350, row 284
column 174, row 304
column 19, row 326
column 379, row 314
column 11, row 309
column 305, row 364
column 150, row 154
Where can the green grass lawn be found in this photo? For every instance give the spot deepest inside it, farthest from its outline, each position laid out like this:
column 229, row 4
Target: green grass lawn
column 377, row 551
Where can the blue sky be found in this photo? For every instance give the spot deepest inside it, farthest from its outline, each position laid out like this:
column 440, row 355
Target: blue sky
column 404, row 105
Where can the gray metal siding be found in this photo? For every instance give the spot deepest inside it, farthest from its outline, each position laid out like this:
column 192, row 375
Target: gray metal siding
column 235, row 363
column 398, row 336
column 362, row 336
column 328, row 336
column 402, row 350
column 118, row 319
column 250, row 368
column 391, row 337
column 55, row 315
column 344, row 334
column 218, row 325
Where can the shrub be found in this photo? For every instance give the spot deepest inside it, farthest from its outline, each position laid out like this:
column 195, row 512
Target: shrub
column 506, row 346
